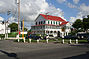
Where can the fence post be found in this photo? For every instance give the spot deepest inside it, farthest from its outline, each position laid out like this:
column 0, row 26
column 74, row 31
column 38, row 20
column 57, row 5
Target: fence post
column 29, row 40
column 37, row 40
column 63, row 41
column 70, row 41
column 47, row 40
column 76, row 41
column 24, row 40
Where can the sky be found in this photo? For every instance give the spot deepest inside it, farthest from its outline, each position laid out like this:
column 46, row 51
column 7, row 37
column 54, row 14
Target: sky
column 69, row 10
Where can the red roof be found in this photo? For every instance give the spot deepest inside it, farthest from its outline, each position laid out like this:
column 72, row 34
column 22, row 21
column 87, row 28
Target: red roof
column 55, row 18
column 46, row 24
column 63, row 23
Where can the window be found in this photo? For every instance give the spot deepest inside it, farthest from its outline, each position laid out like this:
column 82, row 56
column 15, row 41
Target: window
column 59, row 23
column 51, row 22
column 48, row 22
column 39, row 23
column 36, row 23
column 54, row 22
column 44, row 22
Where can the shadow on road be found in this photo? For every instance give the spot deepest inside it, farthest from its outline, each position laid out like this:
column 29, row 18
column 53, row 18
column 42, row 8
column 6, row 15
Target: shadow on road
column 81, row 45
column 82, row 56
column 10, row 54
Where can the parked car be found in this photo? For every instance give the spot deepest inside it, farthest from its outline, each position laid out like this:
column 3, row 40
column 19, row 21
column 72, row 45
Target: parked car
column 35, row 37
column 88, row 39
column 70, row 37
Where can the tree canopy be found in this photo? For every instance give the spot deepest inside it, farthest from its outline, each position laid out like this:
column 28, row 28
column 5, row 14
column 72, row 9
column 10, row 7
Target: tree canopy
column 13, row 27
column 82, row 24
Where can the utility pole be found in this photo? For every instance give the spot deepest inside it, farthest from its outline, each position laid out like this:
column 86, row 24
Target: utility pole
column 5, row 30
column 23, row 30
column 18, row 2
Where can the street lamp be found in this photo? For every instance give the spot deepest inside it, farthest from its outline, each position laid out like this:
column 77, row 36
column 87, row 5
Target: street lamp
column 18, row 3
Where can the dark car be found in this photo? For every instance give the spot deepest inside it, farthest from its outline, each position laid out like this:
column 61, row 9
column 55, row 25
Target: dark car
column 70, row 37
column 35, row 37
column 88, row 39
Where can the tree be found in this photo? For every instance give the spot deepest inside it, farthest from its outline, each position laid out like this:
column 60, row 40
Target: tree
column 78, row 24
column 13, row 27
column 82, row 24
column 25, row 29
column 86, row 23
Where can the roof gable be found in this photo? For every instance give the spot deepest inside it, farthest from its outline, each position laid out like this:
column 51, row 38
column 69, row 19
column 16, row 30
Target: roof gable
column 55, row 18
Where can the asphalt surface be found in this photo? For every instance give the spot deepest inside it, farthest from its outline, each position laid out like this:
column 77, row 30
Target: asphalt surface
column 14, row 50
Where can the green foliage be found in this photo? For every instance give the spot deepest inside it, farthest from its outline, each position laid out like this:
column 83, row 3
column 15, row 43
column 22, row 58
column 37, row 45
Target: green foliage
column 78, row 24
column 86, row 23
column 12, row 34
column 73, row 32
column 37, row 34
column 82, row 25
column 14, row 27
column 25, row 29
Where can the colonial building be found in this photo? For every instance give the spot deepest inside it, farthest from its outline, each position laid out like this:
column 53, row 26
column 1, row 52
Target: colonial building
column 50, row 25
column 4, row 28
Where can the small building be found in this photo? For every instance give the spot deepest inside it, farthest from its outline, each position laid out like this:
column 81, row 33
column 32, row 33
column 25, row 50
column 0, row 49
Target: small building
column 51, row 25
column 4, row 28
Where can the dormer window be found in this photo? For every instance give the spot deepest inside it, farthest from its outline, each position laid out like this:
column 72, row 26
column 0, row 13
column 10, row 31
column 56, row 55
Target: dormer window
column 51, row 22
column 48, row 22
column 36, row 23
column 44, row 22
column 56, row 23
column 59, row 23
column 39, row 23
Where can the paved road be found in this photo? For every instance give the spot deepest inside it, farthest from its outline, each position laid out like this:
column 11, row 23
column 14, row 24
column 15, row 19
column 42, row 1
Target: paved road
column 13, row 50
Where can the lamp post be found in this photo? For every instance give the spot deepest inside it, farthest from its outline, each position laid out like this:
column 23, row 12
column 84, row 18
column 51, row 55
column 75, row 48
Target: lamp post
column 18, row 2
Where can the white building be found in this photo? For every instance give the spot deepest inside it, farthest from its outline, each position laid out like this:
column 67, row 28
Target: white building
column 50, row 25
column 2, row 28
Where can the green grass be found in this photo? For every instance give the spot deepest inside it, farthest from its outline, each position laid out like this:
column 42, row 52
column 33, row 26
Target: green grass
column 60, row 40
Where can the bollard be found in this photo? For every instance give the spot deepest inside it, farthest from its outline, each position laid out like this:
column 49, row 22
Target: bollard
column 37, row 40
column 24, row 40
column 76, row 41
column 70, row 41
column 17, row 37
column 29, row 40
column 47, row 40
column 18, row 40
column 63, row 41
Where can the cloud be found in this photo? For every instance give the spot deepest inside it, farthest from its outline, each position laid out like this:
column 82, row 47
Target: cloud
column 61, row 1
column 29, row 9
column 1, row 18
column 83, row 12
column 71, row 5
column 76, row 1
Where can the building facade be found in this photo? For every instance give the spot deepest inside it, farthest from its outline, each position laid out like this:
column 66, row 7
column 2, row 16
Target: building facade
column 4, row 28
column 50, row 25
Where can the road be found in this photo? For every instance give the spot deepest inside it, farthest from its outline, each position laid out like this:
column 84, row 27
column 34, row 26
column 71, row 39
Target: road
column 13, row 50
